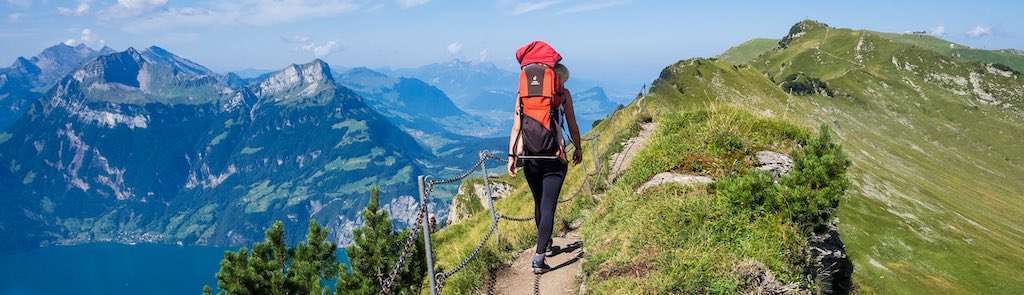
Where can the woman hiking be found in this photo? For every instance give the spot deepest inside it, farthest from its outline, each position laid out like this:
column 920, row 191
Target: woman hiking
column 536, row 142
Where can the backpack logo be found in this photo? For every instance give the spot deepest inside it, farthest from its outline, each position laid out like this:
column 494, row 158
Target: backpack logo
column 534, row 82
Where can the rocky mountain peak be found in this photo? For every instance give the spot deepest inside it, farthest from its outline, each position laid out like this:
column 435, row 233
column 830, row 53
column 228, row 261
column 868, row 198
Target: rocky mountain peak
column 24, row 66
column 159, row 55
column 297, row 80
column 799, row 29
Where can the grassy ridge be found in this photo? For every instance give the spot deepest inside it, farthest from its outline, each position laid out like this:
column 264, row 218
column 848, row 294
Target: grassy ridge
column 679, row 239
column 1010, row 58
column 908, row 117
column 935, row 169
column 746, row 52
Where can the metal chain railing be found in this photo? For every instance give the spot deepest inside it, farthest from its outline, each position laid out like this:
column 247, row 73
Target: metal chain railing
column 427, row 183
column 536, row 284
column 406, row 248
column 441, row 277
column 512, row 218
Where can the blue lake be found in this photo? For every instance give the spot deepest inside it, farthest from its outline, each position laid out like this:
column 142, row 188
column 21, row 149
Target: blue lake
column 108, row 268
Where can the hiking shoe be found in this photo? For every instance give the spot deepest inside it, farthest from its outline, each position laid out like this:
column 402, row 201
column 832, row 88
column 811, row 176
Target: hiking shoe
column 553, row 250
column 540, row 267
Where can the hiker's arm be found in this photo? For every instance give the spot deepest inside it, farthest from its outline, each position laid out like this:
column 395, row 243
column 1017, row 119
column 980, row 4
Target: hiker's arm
column 570, row 117
column 513, row 137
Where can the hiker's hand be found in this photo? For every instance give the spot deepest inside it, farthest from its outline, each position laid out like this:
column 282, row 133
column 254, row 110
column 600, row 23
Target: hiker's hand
column 512, row 166
column 577, row 156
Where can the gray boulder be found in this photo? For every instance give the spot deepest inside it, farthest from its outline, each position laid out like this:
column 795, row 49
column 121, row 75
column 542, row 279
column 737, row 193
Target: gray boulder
column 778, row 164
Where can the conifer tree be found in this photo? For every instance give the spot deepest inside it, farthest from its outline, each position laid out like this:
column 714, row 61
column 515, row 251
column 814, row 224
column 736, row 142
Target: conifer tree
column 375, row 250
column 272, row 268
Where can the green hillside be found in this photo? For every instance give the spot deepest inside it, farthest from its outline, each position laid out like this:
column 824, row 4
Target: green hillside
column 744, row 53
column 1012, row 58
column 936, row 180
column 935, row 146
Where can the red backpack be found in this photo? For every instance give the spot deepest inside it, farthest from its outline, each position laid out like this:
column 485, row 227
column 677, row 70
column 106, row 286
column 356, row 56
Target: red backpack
column 539, row 103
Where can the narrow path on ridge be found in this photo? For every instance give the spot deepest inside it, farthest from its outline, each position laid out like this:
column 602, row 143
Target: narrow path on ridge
column 564, row 278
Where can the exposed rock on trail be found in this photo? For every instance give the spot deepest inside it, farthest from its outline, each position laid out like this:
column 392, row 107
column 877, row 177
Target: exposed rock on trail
column 621, row 160
column 671, row 177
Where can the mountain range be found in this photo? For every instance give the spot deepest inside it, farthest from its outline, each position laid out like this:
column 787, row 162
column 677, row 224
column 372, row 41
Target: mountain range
column 26, row 79
column 146, row 146
column 487, row 91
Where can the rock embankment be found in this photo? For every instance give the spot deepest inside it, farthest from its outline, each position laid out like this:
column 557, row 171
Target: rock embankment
column 458, row 211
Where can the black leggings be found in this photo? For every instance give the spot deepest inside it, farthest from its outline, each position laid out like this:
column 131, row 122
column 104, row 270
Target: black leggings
column 545, row 178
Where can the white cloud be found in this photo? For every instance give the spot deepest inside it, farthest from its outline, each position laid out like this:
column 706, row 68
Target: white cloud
column 244, row 12
column 980, row 31
column 937, row 31
column 14, row 17
column 81, row 9
column 305, row 43
column 87, row 37
column 322, row 49
column 592, row 6
column 454, row 48
column 412, row 3
column 530, row 6
column 129, row 8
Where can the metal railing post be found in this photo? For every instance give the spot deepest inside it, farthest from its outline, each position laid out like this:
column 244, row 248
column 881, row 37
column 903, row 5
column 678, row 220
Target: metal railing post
column 490, row 198
column 426, row 234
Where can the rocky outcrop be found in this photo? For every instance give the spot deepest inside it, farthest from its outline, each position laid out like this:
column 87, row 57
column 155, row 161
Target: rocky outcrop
column 777, row 164
column 755, row 278
column 827, row 262
column 671, row 177
column 498, row 191
column 458, row 211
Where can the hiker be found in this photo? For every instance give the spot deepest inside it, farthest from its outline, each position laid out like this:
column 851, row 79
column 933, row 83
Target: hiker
column 536, row 142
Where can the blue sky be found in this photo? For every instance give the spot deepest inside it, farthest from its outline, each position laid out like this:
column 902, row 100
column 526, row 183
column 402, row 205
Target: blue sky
column 619, row 41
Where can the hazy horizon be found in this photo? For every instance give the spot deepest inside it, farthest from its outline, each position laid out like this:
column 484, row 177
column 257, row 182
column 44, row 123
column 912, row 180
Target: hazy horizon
column 619, row 42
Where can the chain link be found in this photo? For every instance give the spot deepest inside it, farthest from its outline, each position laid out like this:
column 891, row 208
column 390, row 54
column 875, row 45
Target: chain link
column 409, row 241
column 511, row 218
column 484, row 156
column 536, row 284
column 492, row 275
column 443, row 276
